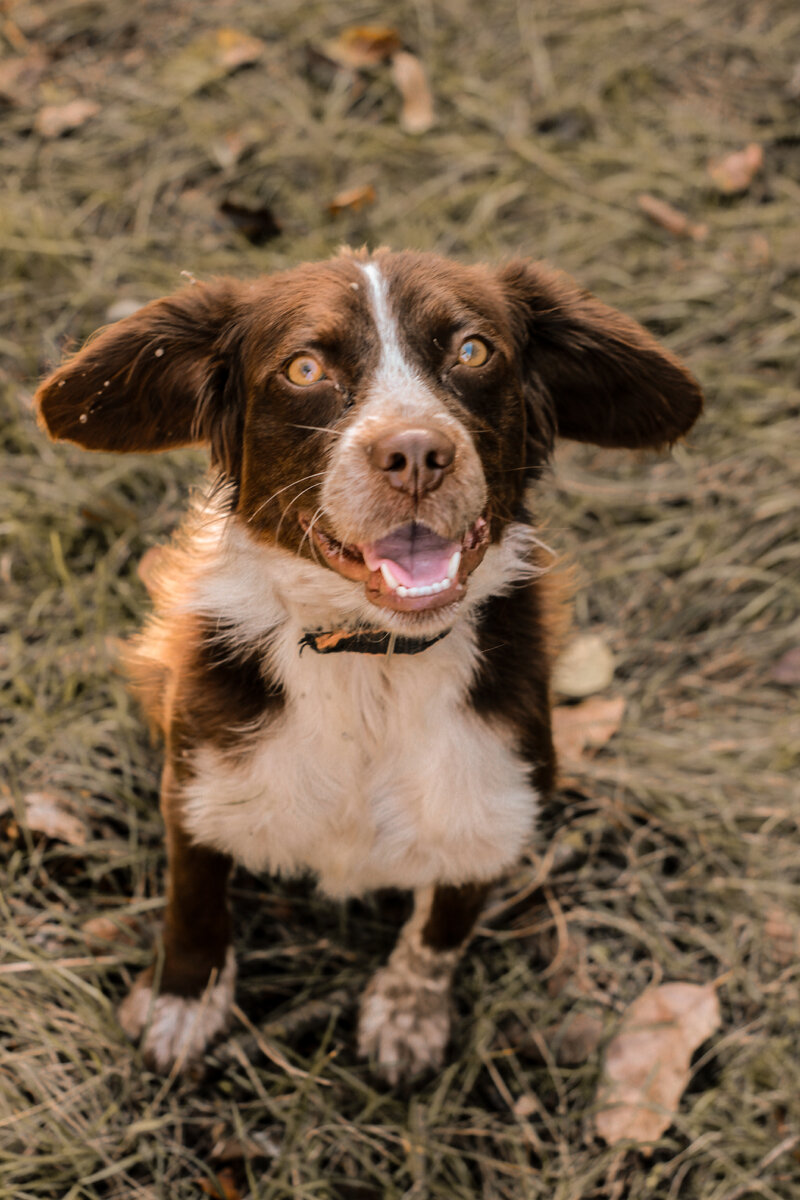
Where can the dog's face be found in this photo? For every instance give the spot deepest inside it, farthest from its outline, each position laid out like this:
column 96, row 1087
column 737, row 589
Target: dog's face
column 380, row 415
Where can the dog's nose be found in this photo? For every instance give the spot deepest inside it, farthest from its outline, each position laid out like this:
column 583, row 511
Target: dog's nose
column 413, row 460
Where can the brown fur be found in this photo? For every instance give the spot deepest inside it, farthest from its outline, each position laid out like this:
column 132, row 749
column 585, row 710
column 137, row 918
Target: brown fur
column 208, row 365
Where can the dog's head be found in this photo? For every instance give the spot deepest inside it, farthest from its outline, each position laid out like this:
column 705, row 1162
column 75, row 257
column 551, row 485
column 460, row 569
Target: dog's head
column 381, row 414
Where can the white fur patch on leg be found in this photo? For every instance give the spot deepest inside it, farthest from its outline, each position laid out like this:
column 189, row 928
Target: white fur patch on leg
column 404, row 1023
column 177, row 1029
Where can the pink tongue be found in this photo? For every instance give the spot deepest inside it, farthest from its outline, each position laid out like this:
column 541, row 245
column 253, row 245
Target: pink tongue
column 414, row 554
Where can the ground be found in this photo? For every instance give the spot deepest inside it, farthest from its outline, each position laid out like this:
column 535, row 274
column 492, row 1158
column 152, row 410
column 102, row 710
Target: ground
column 675, row 850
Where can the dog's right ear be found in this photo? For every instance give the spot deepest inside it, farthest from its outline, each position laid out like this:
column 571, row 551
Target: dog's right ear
column 163, row 377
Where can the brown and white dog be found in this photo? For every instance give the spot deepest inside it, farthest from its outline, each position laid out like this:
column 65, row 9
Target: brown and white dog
column 350, row 651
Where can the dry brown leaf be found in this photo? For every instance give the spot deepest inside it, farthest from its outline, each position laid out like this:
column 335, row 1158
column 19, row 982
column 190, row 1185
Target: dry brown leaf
column 353, row 198
column 787, row 668
column 572, row 1042
column 362, row 46
column 646, row 1066
column 19, row 76
column 584, row 667
column 671, row 219
column 735, row 172
column 237, row 49
column 223, row 1187
column 783, row 936
column 589, row 725
column 48, row 813
column 55, row 119
column 258, row 1145
column 408, row 73
column 121, row 930
column 793, row 84
column 525, row 1106
column 210, row 57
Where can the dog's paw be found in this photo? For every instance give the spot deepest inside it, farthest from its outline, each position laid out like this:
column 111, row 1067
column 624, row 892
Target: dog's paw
column 178, row 1029
column 404, row 1023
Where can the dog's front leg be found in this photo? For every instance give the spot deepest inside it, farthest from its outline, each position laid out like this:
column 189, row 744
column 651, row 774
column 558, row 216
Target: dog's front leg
column 404, row 1024
column 196, row 985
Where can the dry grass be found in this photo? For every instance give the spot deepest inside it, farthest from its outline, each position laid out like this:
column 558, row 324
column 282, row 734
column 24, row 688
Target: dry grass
column 680, row 854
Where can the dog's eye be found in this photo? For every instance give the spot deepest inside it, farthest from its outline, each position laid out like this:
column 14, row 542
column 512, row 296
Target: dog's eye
column 304, row 370
column 473, row 353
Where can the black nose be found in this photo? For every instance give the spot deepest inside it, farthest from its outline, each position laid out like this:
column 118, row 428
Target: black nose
column 414, row 460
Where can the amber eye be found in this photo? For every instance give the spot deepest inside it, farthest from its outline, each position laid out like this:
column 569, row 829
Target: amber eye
column 304, row 370
column 473, row 352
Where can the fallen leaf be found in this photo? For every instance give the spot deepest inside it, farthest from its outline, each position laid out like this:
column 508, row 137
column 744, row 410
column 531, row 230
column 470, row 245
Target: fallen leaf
column 362, row 46
column 577, row 1038
column 572, row 1042
column 222, row 1186
column 647, row 1063
column 416, row 115
column 19, row 76
column 783, row 936
column 237, row 49
column 759, row 250
column 209, row 58
column 48, row 813
column 793, row 84
column 734, row 173
column 585, row 666
column 258, row 1145
column 787, row 668
column 228, row 148
column 671, row 219
column 353, row 198
column 56, row 119
column 121, row 929
column 258, row 225
column 579, row 727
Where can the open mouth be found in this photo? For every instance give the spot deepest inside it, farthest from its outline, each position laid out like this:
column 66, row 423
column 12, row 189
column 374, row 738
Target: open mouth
column 412, row 568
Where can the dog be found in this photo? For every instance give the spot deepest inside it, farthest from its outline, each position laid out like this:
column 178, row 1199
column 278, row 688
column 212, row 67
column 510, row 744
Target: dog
column 352, row 637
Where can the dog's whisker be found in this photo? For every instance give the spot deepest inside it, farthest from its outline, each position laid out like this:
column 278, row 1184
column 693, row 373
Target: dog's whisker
column 294, row 483
column 319, row 429
column 289, row 504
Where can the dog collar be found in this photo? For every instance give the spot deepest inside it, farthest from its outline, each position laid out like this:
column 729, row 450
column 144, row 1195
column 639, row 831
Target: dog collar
column 366, row 641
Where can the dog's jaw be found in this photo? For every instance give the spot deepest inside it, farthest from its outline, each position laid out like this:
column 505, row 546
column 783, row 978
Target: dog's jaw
column 436, row 577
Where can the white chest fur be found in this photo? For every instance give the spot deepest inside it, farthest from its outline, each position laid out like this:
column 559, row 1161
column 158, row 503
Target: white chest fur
column 378, row 772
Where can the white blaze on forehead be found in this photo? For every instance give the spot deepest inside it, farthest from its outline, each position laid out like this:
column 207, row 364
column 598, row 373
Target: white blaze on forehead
column 393, row 367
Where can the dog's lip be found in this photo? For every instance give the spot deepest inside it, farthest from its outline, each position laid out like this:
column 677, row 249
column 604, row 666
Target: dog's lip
column 363, row 563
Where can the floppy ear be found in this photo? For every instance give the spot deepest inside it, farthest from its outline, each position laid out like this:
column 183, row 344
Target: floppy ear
column 165, row 376
column 608, row 380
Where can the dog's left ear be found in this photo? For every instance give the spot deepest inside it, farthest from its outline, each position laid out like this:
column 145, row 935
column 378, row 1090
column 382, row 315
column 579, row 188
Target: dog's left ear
column 161, row 378
column 607, row 379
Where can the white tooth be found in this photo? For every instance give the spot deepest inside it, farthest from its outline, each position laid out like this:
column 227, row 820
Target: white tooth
column 402, row 591
column 414, row 591
column 393, row 583
column 453, row 565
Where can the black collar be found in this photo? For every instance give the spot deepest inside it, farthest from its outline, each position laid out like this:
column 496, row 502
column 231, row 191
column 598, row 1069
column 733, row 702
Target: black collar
column 366, row 641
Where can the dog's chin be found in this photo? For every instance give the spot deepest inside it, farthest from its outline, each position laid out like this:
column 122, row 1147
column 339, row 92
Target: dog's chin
column 412, row 571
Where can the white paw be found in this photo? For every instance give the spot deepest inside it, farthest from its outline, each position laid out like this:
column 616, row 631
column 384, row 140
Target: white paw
column 177, row 1029
column 404, row 1023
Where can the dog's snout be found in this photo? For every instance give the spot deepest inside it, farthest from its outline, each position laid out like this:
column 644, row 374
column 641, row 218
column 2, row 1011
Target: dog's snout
column 413, row 460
